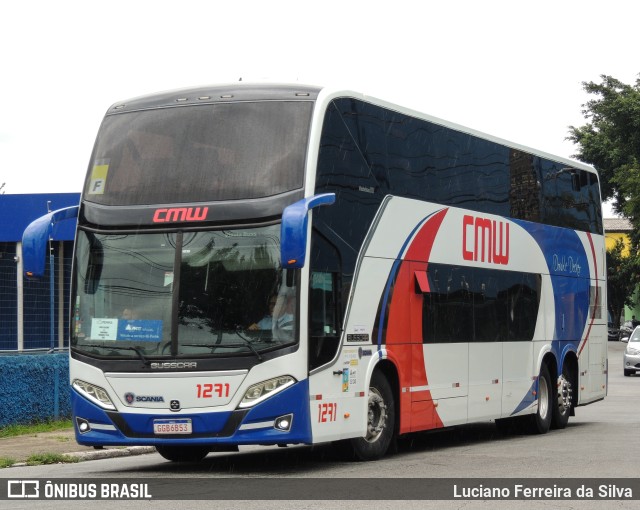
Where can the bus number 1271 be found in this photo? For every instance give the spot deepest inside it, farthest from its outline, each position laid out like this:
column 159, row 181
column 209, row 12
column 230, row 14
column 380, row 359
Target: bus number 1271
column 208, row 390
column 327, row 412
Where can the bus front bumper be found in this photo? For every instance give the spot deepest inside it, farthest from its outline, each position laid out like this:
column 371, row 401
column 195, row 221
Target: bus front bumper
column 282, row 419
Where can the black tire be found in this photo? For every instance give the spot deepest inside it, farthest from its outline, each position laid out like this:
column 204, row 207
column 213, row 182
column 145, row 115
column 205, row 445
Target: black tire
column 627, row 373
column 183, row 453
column 380, row 421
column 564, row 399
column 540, row 422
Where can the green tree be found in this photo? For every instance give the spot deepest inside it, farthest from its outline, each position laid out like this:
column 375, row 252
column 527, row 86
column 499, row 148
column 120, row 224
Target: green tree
column 610, row 141
column 622, row 276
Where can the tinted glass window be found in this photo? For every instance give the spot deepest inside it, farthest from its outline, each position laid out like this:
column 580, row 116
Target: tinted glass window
column 208, row 293
column 367, row 152
column 325, row 317
column 232, row 292
column 467, row 304
column 200, row 153
column 571, row 197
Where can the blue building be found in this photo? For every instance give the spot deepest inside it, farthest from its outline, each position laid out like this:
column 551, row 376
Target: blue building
column 34, row 312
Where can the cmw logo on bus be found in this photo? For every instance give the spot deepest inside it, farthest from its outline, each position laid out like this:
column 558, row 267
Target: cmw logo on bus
column 173, row 214
column 485, row 239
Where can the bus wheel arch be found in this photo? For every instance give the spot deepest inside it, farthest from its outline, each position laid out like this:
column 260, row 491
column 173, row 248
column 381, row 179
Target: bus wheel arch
column 382, row 414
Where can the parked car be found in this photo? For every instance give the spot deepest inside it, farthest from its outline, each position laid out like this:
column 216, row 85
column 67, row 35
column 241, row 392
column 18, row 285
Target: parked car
column 631, row 356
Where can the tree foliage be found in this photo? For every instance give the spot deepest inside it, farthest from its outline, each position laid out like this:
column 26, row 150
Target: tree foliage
column 610, row 141
column 622, row 278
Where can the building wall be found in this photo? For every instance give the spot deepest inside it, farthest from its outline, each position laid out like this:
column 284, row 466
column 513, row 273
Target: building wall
column 611, row 238
column 8, row 297
column 43, row 327
column 27, row 318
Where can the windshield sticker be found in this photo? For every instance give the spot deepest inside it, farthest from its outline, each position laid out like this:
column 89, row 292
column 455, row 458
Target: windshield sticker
column 345, row 379
column 140, row 330
column 122, row 329
column 98, row 178
column 104, row 329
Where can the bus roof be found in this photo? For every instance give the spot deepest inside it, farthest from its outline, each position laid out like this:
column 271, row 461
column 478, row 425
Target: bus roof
column 245, row 91
column 217, row 94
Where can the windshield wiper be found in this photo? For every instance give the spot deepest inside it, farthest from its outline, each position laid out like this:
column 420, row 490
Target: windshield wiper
column 137, row 350
column 228, row 346
column 249, row 344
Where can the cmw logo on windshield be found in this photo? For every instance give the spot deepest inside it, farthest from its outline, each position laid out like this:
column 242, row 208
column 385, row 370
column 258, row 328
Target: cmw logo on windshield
column 129, row 327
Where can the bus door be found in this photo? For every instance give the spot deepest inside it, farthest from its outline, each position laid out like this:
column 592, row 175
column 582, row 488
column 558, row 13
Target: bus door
column 440, row 380
column 334, row 379
column 485, row 342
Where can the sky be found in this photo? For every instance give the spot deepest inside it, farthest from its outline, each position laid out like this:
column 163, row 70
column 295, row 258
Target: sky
column 513, row 69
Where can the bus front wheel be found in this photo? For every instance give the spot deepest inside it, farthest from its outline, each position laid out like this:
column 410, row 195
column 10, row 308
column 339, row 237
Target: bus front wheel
column 380, row 421
column 183, row 453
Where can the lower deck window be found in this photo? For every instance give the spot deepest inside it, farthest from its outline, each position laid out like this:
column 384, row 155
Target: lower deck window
column 467, row 304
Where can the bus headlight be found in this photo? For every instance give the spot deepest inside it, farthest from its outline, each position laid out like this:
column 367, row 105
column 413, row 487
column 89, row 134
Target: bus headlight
column 265, row 389
column 94, row 393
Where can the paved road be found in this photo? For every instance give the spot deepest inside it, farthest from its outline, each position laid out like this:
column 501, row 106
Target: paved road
column 599, row 442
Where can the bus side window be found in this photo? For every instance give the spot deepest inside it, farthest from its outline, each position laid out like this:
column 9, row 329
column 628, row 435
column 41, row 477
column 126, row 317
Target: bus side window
column 323, row 318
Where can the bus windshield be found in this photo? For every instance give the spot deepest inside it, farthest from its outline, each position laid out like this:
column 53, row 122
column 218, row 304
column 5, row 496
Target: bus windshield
column 204, row 153
column 210, row 293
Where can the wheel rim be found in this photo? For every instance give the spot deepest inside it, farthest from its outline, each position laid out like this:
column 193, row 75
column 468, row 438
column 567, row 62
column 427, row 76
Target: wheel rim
column 565, row 394
column 376, row 415
column 543, row 398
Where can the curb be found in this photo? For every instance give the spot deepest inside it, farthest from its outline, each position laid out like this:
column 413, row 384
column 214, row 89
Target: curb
column 103, row 454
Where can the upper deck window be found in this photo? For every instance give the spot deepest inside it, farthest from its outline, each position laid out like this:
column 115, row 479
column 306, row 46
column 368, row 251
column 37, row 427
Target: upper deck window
column 205, row 153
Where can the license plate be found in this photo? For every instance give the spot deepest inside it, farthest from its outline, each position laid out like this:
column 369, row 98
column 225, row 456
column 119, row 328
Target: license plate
column 172, row 427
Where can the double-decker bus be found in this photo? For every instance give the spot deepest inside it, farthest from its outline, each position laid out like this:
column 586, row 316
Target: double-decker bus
column 286, row 264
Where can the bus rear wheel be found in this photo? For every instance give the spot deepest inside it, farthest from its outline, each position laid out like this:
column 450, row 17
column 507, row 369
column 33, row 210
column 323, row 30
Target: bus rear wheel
column 183, row 453
column 564, row 400
column 540, row 422
column 380, row 421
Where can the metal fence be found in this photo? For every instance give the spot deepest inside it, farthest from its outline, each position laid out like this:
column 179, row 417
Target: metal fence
column 34, row 313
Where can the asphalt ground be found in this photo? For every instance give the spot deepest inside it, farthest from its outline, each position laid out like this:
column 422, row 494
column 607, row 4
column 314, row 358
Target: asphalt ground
column 61, row 442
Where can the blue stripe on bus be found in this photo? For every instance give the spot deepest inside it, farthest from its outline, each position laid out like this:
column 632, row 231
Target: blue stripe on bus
column 528, row 399
column 569, row 269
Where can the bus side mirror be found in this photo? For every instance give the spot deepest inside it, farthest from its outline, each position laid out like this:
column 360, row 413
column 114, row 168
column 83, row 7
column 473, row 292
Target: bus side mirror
column 293, row 231
column 37, row 235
